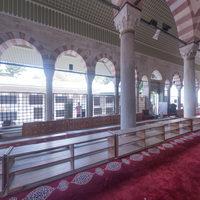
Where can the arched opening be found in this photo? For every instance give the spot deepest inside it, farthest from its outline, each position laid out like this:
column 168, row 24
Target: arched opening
column 103, row 88
column 156, row 75
column 143, row 93
column 22, row 84
column 144, row 86
column 174, row 94
column 69, row 86
column 155, row 93
column 167, row 88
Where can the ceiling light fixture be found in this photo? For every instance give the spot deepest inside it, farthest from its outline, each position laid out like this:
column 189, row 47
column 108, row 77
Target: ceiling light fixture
column 164, row 28
column 157, row 34
column 153, row 23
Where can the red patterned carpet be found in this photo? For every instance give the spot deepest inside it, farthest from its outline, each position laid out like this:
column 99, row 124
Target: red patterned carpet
column 170, row 171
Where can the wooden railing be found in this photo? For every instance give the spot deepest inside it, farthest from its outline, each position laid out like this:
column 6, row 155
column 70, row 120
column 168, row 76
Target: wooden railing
column 31, row 165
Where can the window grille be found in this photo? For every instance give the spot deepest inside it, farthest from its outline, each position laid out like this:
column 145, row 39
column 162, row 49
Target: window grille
column 103, row 105
column 69, row 105
column 18, row 108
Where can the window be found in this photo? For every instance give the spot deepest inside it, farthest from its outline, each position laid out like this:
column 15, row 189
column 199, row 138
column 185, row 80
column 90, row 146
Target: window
column 38, row 113
column 109, row 111
column 60, row 113
column 8, row 116
column 71, row 67
column 61, row 99
column 109, row 99
column 35, row 99
column 96, row 101
column 97, row 111
column 8, row 99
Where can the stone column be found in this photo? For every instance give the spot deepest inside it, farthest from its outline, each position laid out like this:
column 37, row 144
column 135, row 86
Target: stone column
column 117, row 81
column 49, row 73
column 188, row 53
column 125, row 22
column 197, row 89
column 179, row 97
column 138, row 96
column 168, row 99
column 90, row 75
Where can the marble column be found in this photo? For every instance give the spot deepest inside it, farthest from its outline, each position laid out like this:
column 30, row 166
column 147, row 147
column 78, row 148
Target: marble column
column 125, row 22
column 197, row 103
column 90, row 75
column 179, row 97
column 117, row 81
column 137, row 97
column 168, row 99
column 49, row 73
column 188, row 53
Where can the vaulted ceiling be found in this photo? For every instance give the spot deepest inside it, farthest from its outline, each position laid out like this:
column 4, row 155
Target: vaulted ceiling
column 98, row 13
column 93, row 11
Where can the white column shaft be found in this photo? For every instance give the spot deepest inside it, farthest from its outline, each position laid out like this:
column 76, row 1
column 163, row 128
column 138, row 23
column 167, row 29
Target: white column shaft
column 189, row 88
column 89, row 78
column 128, row 104
column 117, row 96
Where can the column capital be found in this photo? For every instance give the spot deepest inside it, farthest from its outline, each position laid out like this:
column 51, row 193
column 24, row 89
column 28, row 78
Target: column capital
column 189, row 51
column 127, row 19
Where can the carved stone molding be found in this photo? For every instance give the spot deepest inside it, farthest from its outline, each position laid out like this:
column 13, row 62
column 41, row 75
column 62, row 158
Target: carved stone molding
column 127, row 19
column 189, row 51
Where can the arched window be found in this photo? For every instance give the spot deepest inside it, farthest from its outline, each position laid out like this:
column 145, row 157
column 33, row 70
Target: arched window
column 167, row 88
column 177, row 80
column 174, row 94
column 69, row 86
column 176, row 83
column 104, row 77
column 22, row 83
column 156, row 75
column 103, row 87
column 144, row 88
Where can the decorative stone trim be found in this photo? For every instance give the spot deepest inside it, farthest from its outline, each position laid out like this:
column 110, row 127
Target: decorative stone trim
column 127, row 18
column 189, row 51
column 10, row 39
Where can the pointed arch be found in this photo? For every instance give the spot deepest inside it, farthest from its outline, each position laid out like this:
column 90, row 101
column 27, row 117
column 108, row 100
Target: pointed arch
column 156, row 75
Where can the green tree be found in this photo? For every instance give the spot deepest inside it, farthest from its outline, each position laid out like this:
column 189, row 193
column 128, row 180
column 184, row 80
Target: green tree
column 103, row 80
column 11, row 71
